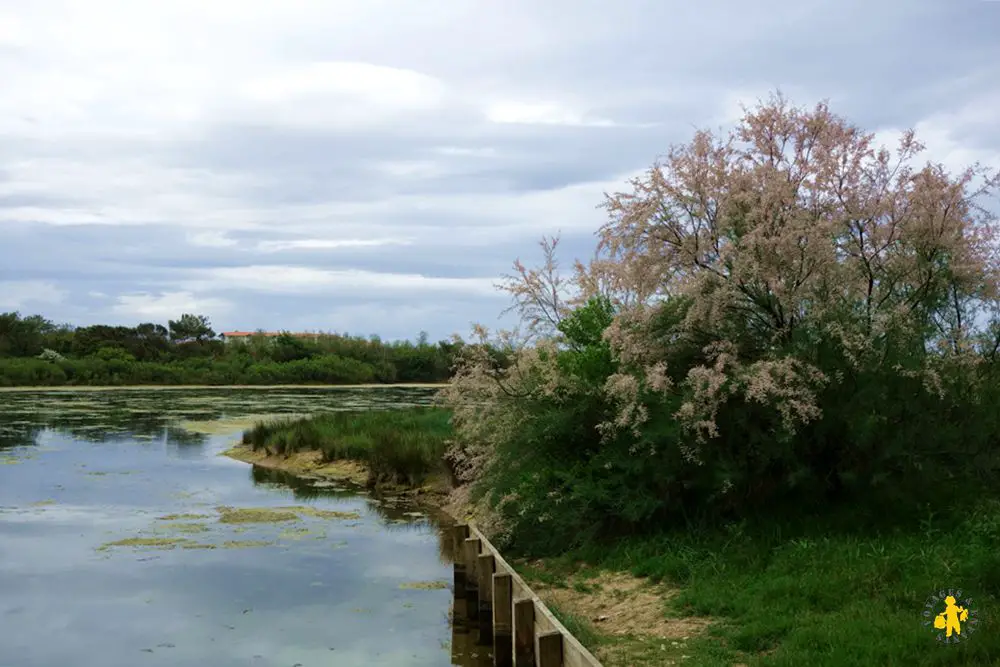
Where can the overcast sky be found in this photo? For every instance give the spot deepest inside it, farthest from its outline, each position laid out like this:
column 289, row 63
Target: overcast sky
column 374, row 166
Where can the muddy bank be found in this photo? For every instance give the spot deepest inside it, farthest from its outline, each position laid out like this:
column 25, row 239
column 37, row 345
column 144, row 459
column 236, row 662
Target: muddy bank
column 436, row 495
column 304, row 464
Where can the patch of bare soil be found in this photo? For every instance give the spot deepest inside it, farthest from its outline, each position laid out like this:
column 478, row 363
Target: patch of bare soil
column 302, row 463
column 627, row 611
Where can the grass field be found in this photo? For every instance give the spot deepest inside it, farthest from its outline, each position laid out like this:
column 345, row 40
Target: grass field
column 804, row 595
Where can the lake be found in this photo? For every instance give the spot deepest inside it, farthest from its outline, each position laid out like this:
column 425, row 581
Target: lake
column 126, row 539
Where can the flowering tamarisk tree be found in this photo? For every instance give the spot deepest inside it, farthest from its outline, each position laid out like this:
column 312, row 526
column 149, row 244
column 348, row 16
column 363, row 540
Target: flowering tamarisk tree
column 766, row 268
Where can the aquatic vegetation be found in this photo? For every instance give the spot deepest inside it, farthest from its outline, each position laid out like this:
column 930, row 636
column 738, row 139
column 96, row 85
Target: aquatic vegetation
column 183, row 517
column 321, row 513
column 184, row 527
column 424, row 585
column 152, row 542
column 43, row 503
column 301, row 534
column 245, row 544
column 239, row 515
column 255, row 515
column 229, row 425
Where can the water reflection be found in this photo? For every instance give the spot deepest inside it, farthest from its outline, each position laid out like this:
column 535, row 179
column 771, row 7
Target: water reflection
column 469, row 646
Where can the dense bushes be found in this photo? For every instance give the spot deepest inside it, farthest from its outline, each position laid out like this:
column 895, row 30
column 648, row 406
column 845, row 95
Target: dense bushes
column 34, row 352
column 784, row 321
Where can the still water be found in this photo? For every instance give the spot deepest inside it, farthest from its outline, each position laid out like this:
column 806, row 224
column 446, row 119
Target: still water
column 346, row 579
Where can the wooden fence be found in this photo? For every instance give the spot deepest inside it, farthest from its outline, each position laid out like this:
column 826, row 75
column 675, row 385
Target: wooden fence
column 492, row 597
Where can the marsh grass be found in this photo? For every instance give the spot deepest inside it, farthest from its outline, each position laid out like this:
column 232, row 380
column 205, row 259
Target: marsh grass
column 402, row 446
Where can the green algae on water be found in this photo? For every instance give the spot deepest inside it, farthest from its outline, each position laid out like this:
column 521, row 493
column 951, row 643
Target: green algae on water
column 152, row 542
column 184, row 527
column 302, row 533
column 424, row 585
column 278, row 514
column 255, row 514
column 183, row 517
column 245, row 544
column 295, row 533
column 322, row 514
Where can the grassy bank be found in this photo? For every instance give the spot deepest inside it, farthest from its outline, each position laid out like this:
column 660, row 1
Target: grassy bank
column 847, row 587
column 402, row 447
column 816, row 593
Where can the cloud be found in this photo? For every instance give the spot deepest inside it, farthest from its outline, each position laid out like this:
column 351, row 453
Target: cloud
column 942, row 137
column 17, row 294
column 285, row 163
column 341, row 94
column 169, row 305
column 545, row 113
column 299, row 279
column 326, row 244
column 211, row 239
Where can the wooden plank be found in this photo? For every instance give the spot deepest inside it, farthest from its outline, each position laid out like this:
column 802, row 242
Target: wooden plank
column 550, row 649
column 524, row 633
column 458, row 536
column 472, row 548
column 484, row 570
column 574, row 653
column 503, row 605
column 503, row 621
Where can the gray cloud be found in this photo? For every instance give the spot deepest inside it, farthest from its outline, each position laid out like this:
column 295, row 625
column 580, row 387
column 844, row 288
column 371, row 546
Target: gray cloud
column 169, row 158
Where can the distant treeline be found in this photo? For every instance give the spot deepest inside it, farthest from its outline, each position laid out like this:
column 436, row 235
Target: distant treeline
column 34, row 351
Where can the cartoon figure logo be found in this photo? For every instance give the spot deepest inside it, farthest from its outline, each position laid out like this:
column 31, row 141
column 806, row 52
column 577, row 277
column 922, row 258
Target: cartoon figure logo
column 952, row 616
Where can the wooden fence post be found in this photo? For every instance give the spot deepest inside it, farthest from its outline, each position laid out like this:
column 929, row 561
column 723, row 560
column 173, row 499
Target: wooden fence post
column 458, row 536
column 524, row 633
column 550, row 649
column 485, row 568
column 503, row 621
column 472, row 547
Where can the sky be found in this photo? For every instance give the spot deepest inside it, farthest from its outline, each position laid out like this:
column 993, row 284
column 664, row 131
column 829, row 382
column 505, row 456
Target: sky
column 374, row 167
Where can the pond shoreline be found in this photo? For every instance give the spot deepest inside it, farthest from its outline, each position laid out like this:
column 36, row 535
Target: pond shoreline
column 163, row 387
column 437, row 494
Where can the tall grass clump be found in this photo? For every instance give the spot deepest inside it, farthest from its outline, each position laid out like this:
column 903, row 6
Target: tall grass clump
column 402, row 446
